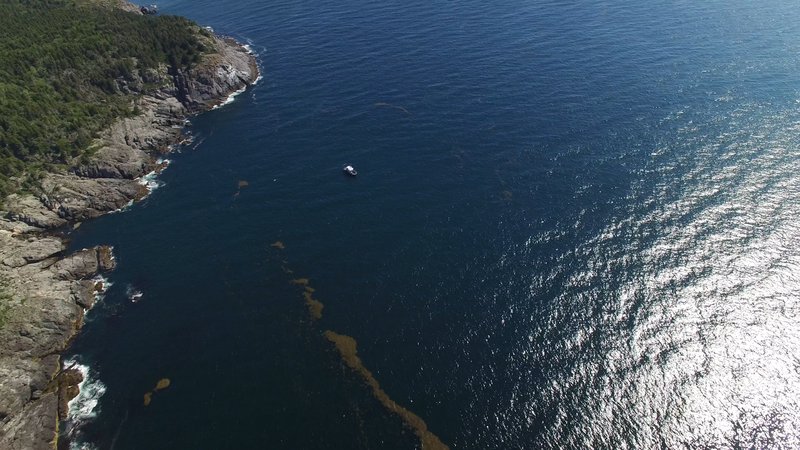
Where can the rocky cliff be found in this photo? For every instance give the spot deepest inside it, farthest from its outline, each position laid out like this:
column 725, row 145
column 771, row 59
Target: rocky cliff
column 43, row 292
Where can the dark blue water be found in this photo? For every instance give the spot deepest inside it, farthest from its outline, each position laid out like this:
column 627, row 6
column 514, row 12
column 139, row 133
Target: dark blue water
column 575, row 226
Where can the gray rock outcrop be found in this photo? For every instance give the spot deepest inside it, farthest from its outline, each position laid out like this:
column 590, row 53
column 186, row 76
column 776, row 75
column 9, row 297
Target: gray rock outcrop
column 42, row 296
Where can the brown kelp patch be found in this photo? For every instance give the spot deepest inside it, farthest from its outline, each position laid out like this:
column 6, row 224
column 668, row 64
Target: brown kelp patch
column 346, row 346
column 314, row 306
column 160, row 386
column 300, row 281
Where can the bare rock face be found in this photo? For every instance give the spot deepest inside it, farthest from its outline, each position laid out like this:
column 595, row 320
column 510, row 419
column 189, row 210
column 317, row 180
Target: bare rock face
column 41, row 308
column 36, row 250
column 67, row 381
column 84, row 264
column 84, row 292
column 22, row 379
column 16, row 227
column 126, row 148
column 43, row 293
column 117, row 161
column 32, row 211
column 34, row 427
column 78, row 199
column 228, row 69
column 125, row 5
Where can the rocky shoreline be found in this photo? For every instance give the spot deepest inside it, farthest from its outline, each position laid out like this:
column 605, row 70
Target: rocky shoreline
column 44, row 292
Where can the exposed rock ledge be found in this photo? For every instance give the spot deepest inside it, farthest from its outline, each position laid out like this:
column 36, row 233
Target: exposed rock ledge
column 43, row 293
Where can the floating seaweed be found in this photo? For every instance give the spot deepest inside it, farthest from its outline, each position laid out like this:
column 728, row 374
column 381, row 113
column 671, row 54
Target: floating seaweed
column 314, row 306
column 160, row 386
column 346, row 346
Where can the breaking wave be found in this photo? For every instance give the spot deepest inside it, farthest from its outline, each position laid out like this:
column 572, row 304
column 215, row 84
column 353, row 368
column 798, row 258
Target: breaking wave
column 150, row 180
column 230, row 98
column 83, row 408
column 101, row 284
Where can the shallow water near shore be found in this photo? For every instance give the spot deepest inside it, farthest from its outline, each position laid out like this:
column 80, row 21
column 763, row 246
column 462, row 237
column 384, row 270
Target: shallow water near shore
column 575, row 225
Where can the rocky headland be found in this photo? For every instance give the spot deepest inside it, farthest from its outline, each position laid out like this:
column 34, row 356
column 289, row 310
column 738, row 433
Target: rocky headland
column 45, row 292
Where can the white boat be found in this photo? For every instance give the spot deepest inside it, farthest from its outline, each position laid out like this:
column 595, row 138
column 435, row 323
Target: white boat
column 350, row 170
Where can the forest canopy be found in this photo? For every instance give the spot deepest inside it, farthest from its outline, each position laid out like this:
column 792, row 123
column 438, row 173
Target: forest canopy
column 62, row 65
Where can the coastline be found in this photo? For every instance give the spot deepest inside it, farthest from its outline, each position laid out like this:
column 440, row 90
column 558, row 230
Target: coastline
column 44, row 294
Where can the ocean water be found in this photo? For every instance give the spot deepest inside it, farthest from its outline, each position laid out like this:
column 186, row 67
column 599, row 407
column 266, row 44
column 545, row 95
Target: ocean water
column 575, row 225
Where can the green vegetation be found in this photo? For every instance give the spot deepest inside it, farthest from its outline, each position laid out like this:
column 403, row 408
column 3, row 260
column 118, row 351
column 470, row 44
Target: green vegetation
column 69, row 68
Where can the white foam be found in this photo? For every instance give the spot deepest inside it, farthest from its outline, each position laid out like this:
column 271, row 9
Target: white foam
column 133, row 294
column 83, row 407
column 150, row 180
column 250, row 51
column 102, row 284
column 230, row 98
column 186, row 141
column 81, row 446
column 122, row 208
